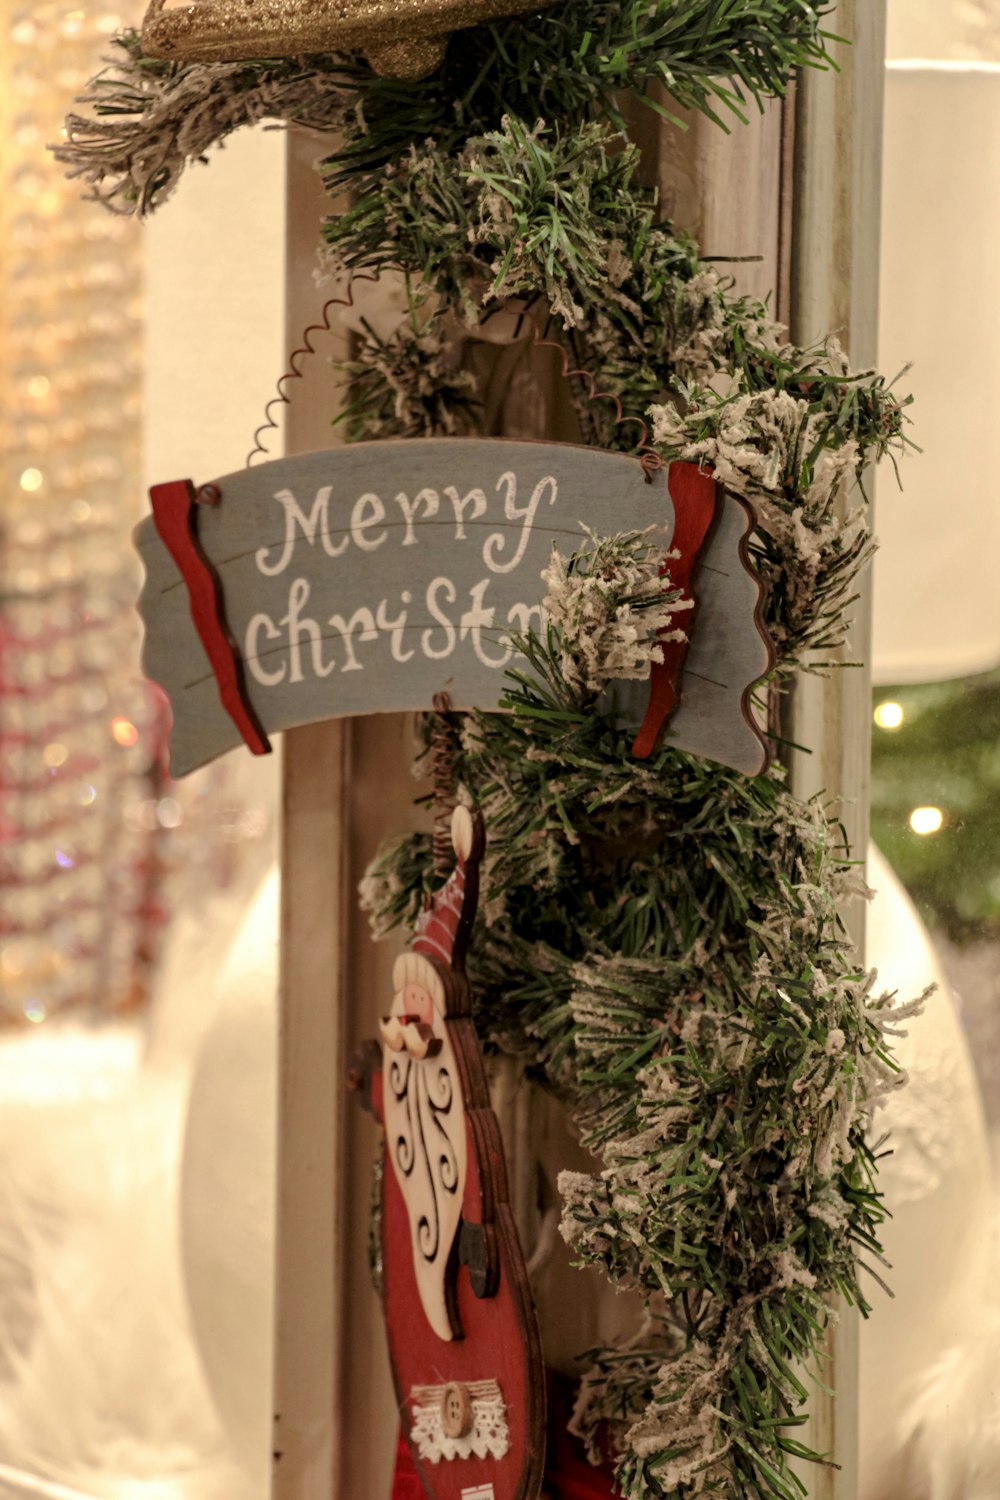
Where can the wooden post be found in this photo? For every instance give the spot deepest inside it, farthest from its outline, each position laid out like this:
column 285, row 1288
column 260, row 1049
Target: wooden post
column 346, row 786
column 834, row 288
column 310, row 1250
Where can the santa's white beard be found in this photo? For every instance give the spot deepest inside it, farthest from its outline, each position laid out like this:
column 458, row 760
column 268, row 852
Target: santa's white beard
column 426, row 1146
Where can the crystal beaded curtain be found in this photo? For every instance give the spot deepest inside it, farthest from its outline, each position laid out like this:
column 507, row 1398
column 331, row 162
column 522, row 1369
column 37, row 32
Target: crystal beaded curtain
column 79, row 731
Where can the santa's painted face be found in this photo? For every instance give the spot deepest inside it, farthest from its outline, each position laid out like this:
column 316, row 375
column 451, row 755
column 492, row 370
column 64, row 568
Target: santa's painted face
column 414, row 1000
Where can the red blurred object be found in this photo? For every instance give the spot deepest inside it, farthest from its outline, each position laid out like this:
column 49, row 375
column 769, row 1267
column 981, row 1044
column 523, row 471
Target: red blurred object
column 405, row 1484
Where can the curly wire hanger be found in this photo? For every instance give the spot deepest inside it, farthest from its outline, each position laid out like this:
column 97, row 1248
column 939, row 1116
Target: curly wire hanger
column 294, row 371
column 650, row 460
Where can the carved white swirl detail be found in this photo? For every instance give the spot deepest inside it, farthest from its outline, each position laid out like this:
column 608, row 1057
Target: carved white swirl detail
column 427, row 1150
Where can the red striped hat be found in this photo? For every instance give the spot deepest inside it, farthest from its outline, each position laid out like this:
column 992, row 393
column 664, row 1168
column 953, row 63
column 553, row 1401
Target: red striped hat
column 437, row 928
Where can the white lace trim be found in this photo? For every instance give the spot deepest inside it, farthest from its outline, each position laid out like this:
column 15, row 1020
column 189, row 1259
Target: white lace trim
column 489, row 1436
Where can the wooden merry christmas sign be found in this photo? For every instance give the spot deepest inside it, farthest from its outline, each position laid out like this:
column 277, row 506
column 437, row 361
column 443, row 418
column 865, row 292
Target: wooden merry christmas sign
column 372, row 577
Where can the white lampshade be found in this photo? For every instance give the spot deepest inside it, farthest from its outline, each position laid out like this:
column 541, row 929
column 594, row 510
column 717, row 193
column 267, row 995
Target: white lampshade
column 937, row 583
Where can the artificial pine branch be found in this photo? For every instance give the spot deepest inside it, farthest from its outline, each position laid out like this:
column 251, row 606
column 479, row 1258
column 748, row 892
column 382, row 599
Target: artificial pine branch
column 555, row 218
column 662, row 940
column 148, row 119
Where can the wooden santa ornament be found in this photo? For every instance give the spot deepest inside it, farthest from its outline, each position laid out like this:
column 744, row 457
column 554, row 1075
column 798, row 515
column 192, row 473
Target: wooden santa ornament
column 401, row 38
column 461, row 1326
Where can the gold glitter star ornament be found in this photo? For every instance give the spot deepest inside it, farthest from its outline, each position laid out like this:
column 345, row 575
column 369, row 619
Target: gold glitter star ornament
column 401, row 38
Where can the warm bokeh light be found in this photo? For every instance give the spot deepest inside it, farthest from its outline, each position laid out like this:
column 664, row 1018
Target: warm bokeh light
column 889, row 715
column 123, row 731
column 32, row 480
column 926, row 819
column 11, row 961
column 54, row 755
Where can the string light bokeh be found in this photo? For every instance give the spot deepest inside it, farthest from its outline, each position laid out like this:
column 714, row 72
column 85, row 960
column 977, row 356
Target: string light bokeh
column 80, row 732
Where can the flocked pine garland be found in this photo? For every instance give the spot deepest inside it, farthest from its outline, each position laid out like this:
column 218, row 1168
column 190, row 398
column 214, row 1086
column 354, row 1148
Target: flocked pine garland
column 660, row 939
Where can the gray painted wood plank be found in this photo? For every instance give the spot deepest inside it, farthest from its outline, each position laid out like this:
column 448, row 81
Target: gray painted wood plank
column 368, row 578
